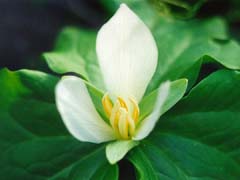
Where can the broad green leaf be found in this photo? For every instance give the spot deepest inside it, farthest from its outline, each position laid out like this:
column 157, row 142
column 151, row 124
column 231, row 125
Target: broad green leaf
column 199, row 137
column 178, row 8
column 227, row 54
column 106, row 172
column 55, row 158
column 166, row 156
column 28, row 99
column 75, row 52
column 210, row 113
column 93, row 166
column 115, row 151
column 34, row 143
column 177, row 90
column 42, row 158
column 27, row 107
column 183, row 44
column 143, row 165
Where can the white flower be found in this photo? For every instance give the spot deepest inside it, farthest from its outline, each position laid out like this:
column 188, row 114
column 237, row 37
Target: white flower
column 127, row 55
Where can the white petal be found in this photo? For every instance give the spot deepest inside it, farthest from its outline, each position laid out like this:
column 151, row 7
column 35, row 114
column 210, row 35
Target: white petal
column 127, row 54
column 149, row 122
column 78, row 112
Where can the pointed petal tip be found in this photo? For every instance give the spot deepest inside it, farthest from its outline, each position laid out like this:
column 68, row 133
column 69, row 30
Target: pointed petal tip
column 124, row 12
column 123, row 5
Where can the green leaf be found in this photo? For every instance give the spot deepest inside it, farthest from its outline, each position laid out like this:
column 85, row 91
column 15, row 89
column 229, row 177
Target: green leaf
column 105, row 172
column 177, row 90
column 42, row 158
column 28, row 99
column 75, row 52
column 178, row 8
column 55, row 158
column 181, row 52
column 227, row 54
column 199, row 137
column 142, row 164
column 166, row 157
column 94, row 166
column 115, row 151
column 34, row 143
column 210, row 113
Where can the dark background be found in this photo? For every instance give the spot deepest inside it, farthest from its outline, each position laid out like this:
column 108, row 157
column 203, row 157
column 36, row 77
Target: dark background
column 29, row 27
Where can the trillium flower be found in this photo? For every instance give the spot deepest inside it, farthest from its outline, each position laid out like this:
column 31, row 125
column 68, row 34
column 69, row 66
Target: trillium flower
column 128, row 57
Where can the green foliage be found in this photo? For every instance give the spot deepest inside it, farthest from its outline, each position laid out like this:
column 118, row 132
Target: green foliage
column 75, row 52
column 176, row 8
column 210, row 113
column 167, row 156
column 199, row 137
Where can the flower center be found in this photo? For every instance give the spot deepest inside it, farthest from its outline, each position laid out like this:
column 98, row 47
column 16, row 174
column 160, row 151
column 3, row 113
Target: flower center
column 123, row 115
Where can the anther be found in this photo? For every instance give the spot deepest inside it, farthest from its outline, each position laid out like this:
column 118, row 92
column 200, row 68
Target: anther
column 135, row 113
column 131, row 125
column 114, row 118
column 107, row 105
column 122, row 102
column 123, row 123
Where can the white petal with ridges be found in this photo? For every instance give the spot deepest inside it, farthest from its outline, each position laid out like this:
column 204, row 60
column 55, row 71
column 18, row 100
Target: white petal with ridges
column 147, row 125
column 78, row 112
column 127, row 54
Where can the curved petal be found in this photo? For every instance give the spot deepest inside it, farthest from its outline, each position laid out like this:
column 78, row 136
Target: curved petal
column 127, row 54
column 149, row 122
column 78, row 112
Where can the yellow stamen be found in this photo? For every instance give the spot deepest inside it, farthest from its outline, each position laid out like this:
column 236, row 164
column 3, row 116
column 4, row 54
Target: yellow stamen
column 135, row 113
column 107, row 105
column 131, row 124
column 123, row 123
column 122, row 102
column 114, row 118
